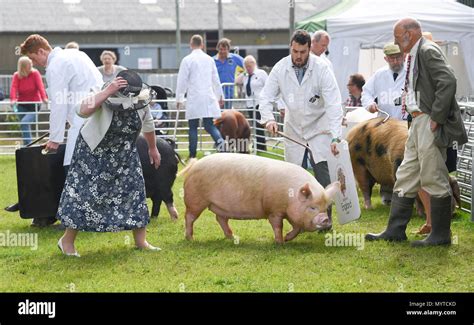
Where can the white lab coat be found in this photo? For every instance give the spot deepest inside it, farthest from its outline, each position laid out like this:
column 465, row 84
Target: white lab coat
column 71, row 76
column 198, row 78
column 382, row 87
column 325, row 59
column 313, row 123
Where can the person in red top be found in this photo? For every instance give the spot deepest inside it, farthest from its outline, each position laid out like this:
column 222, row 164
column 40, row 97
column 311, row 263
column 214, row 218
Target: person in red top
column 27, row 86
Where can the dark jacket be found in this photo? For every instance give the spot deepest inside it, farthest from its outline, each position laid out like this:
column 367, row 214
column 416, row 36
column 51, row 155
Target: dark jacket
column 435, row 87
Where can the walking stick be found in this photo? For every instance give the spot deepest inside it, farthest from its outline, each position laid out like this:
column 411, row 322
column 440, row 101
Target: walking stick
column 385, row 119
column 300, row 143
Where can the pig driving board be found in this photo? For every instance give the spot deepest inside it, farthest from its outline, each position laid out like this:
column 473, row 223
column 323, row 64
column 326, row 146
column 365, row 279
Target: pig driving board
column 346, row 200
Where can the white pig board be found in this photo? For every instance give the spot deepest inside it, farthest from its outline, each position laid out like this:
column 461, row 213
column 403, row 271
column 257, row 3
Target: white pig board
column 340, row 169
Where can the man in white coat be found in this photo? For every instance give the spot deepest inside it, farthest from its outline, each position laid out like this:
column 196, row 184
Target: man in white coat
column 198, row 78
column 384, row 89
column 71, row 76
column 309, row 90
column 319, row 46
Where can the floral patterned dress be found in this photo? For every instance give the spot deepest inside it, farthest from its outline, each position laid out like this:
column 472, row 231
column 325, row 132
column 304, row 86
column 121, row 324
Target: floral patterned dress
column 105, row 189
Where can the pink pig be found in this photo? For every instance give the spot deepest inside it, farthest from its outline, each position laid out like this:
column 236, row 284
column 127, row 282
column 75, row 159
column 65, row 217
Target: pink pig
column 238, row 186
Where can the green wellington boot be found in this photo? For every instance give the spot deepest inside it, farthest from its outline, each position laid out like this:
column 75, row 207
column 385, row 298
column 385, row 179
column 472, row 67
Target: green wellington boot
column 440, row 223
column 400, row 214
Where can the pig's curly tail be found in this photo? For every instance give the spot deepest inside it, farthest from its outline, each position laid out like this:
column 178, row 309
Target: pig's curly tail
column 188, row 167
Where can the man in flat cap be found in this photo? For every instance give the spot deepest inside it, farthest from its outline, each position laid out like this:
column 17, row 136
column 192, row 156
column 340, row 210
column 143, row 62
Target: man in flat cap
column 383, row 90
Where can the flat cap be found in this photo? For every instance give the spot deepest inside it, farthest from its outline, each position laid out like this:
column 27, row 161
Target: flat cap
column 391, row 48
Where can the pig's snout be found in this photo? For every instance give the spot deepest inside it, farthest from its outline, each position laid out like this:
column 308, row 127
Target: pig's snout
column 321, row 222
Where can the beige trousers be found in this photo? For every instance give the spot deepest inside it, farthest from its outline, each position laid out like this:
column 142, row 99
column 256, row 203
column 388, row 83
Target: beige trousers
column 424, row 164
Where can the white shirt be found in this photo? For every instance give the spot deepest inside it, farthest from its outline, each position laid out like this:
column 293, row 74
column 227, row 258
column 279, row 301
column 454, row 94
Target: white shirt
column 257, row 82
column 382, row 86
column 412, row 106
column 71, row 76
column 198, row 78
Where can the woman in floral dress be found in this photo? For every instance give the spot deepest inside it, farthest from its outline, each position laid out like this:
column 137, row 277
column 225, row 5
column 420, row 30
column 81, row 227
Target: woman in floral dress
column 105, row 189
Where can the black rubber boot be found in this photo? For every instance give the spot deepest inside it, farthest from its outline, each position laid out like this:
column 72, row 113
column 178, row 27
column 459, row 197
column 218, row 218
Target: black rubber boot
column 440, row 223
column 321, row 173
column 400, row 214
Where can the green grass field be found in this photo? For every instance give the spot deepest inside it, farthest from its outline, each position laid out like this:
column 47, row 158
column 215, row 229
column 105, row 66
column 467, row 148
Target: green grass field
column 253, row 263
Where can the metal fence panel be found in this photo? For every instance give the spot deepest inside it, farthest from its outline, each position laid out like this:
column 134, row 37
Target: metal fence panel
column 177, row 127
column 11, row 135
column 465, row 166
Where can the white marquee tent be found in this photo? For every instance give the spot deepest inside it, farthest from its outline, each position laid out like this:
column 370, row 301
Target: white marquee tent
column 368, row 24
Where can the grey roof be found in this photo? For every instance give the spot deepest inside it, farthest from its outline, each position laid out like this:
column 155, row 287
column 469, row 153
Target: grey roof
column 143, row 15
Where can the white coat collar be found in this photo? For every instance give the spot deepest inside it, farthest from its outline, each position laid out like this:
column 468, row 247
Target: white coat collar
column 52, row 54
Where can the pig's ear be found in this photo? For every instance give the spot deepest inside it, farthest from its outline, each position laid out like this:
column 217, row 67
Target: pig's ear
column 305, row 192
column 332, row 189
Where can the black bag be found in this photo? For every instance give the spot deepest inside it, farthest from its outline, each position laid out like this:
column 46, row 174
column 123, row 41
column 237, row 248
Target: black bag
column 40, row 181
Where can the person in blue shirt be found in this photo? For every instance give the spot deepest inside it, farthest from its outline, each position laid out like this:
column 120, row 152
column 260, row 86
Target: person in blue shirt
column 227, row 63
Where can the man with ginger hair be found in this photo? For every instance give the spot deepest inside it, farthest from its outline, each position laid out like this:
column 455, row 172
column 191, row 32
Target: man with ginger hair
column 429, row 96
column 71, row 76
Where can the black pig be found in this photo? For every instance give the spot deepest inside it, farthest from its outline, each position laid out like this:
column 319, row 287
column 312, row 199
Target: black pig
column 159, row 182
